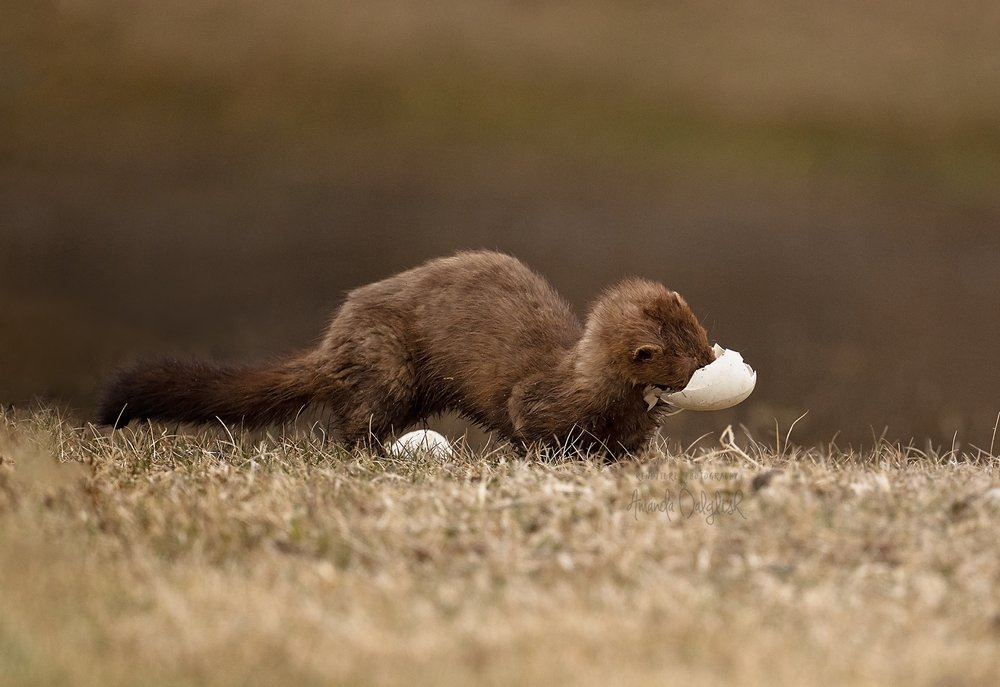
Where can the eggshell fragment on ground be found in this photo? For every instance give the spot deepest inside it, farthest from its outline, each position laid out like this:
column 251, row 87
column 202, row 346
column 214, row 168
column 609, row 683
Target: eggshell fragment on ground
column 721, row 384
column 419, row 442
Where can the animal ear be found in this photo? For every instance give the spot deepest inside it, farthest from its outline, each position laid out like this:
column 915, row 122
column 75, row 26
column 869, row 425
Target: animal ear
column 646, row 352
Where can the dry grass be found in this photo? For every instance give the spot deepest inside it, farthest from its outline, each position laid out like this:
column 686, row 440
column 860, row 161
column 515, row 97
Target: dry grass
column 147, row 557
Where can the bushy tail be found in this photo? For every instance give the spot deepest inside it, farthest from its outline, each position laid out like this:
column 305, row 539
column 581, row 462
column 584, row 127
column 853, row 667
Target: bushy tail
column 200, row 392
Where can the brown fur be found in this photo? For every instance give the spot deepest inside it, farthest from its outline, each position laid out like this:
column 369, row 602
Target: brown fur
column 478, row 333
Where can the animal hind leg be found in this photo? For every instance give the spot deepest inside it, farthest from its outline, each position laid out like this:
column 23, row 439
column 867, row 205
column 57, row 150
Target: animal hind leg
column 372, row 422
column 377, row 388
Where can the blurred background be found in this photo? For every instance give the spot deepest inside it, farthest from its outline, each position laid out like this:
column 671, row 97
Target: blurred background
column 821, row 180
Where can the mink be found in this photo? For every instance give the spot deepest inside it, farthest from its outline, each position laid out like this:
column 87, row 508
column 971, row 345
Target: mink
column 479, row 333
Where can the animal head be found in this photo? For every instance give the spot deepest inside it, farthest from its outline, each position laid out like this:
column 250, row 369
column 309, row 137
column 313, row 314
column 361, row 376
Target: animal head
column 650, row 334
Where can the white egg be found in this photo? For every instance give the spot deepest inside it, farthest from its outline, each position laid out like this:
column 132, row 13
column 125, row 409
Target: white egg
column 721, row 384
column 421, row 441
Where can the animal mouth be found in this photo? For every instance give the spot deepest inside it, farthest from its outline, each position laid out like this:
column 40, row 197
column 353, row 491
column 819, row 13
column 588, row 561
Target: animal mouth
column 653, row 394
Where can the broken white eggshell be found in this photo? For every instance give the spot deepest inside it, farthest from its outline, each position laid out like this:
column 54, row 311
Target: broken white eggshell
column 421, row 441
column 721, row 384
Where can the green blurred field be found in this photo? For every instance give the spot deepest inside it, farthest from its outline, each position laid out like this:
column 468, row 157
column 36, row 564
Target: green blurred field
column 209, row 177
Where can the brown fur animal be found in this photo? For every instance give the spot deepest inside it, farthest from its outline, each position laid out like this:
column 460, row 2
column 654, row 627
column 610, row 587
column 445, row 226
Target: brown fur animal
column 478, row 333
